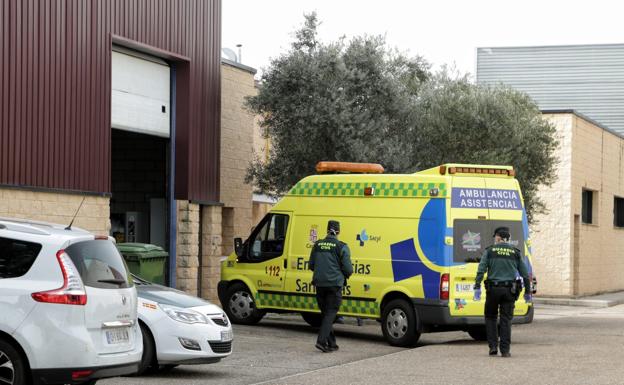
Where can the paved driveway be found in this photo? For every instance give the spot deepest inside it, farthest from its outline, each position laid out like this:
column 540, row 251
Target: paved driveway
column 564, row 345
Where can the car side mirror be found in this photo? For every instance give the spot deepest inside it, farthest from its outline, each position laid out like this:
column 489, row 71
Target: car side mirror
column 238, row 247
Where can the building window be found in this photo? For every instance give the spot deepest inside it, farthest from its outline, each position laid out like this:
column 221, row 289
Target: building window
column 618, row 212
column 587, row 206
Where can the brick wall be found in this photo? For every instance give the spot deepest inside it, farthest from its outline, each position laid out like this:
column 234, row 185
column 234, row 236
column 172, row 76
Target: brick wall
column 56, row 208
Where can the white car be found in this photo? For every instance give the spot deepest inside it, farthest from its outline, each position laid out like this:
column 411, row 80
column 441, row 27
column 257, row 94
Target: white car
column 179, row 328
column 68, row 306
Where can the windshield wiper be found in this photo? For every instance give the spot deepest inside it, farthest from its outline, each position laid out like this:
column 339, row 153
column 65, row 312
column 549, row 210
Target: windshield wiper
column 114, row 281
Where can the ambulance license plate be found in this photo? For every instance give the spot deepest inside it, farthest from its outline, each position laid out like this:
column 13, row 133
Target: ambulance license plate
column 463, row 287
column 226, row 335
column 117, row 336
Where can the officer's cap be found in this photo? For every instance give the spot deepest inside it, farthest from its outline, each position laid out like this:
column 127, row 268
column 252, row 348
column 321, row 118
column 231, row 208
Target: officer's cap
column 333, row 225
column 502, row 232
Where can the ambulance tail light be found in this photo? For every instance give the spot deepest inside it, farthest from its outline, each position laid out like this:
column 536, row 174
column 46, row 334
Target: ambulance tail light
column 444, row 286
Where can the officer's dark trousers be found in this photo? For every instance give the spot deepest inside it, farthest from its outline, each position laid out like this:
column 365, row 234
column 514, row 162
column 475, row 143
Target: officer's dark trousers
column 329, row 299
column 499, row 299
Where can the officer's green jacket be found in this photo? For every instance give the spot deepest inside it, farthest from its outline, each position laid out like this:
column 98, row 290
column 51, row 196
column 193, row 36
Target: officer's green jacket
column 330, row 260
column 501, row 262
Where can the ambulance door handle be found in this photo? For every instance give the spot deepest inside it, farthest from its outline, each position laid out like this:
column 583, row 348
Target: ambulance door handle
column 285, row 263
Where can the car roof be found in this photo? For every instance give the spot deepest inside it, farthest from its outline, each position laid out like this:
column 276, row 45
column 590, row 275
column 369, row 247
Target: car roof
column 38, row 228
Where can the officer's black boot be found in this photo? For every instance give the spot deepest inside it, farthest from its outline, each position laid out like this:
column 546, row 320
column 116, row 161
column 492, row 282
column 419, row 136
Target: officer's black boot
column 492, row 335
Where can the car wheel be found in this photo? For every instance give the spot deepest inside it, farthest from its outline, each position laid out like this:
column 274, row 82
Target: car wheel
column 313, row 319
column 240, row 306
column 398, row 323
column 12, row 365
column 478, row 333
column 148, row 359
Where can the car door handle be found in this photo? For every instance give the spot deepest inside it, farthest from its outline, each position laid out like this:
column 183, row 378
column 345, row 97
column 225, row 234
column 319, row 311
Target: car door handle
column 117, row 324
column 285, row 263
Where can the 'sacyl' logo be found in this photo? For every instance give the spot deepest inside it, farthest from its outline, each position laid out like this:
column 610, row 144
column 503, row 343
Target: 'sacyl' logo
column 362, row 237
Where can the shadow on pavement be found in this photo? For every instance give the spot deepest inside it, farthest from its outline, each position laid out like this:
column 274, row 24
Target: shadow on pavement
column 366, row 335
column 190, row 372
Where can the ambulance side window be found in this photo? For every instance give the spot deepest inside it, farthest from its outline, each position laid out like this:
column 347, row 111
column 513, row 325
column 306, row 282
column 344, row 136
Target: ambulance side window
column 267, row 240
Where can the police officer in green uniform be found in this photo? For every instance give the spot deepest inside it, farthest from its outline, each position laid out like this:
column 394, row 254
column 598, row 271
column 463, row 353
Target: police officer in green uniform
column 330, row 260
column 501, row 261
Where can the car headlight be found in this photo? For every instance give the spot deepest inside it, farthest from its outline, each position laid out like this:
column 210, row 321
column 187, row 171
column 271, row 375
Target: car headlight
column 183, row 315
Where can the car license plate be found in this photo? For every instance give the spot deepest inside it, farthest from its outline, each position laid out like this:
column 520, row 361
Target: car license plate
column 117, row 336
column 463, row 287
column 226, row 335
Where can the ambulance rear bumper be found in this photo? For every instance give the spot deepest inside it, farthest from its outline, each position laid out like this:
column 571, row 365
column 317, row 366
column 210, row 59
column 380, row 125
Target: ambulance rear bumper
column 437, row 313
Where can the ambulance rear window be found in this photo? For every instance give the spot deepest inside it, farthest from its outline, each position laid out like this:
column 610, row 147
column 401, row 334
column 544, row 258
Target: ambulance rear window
column 472, row 236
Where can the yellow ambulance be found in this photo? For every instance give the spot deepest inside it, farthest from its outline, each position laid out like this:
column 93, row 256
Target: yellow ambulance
column 415, row 242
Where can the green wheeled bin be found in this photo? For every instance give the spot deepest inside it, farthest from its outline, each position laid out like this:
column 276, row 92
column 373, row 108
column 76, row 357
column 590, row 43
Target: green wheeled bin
column 146, row 261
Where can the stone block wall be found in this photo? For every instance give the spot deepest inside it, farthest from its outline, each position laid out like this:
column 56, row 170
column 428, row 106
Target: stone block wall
column 211, row 251
column 597, row 165
column 57, row 207
column 187, row 246
column 572, row 258
column 551, row 234
column 237, row 130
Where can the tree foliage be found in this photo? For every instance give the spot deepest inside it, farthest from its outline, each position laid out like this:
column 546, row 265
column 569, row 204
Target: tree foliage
column 361, row 101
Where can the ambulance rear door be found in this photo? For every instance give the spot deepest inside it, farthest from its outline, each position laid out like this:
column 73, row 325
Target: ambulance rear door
column 468, row 215
column 506, row 209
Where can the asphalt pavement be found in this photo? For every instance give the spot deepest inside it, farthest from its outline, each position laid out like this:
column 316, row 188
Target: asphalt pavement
column 564, row 345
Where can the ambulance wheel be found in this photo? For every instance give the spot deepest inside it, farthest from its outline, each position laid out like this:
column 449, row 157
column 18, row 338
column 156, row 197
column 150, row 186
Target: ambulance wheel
column 398, row 323
column 313, row 319
column 241, row 308
column 478, row 333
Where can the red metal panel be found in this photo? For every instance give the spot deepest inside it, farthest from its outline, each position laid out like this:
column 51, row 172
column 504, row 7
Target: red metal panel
column 55, row 88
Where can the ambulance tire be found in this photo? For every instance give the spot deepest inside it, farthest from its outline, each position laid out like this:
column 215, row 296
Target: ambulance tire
column 313, row 319
column 240, row 306
column 478, row 333
column 398, row 323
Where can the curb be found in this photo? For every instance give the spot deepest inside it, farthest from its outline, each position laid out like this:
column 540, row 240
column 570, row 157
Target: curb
column 578, row 302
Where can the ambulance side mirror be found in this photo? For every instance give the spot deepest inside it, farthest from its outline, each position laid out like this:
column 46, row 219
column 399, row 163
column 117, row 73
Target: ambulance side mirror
column 238, row 247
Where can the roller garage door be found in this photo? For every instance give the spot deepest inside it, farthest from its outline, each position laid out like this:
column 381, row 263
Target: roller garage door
column 140, row 97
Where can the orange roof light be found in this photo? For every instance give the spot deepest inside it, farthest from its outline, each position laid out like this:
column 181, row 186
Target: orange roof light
column 364, row 168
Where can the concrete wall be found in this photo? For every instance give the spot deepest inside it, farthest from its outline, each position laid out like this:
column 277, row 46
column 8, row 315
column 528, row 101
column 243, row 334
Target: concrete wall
column 56, row 208
column 572, row 258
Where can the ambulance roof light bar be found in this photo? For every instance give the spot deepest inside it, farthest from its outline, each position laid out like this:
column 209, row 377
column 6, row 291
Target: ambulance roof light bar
column 477, row 170
column 348, row 167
